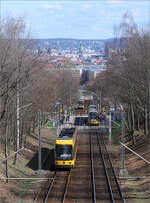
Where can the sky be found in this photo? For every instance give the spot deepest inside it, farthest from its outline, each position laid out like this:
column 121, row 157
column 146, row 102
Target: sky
column 80, row 19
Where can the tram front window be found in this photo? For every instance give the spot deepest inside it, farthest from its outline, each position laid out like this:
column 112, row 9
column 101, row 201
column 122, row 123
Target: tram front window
column 63, row 152
column 81, row 103
column 93, row 115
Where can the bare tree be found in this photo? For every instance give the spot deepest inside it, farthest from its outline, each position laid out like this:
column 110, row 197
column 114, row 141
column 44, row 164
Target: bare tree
column 16, row 63
column 128, row 77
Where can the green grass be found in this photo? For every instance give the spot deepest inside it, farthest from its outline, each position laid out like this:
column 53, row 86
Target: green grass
column 50, row 124
column 27, row 184
column 136, row 192
column 26, row 187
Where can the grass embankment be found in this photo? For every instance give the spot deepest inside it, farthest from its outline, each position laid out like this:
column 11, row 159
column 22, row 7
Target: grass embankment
column 138, row 189
column 24, row 190
column 50, row 124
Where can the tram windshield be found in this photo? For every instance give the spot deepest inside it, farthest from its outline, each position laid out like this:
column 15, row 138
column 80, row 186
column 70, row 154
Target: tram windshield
column 93, row 115
column 64, row 152
column 92, row 107
column 81, row 103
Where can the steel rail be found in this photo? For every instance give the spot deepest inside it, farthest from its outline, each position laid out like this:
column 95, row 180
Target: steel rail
column 106, row 172
column 49, row 188
column 112, row 168
column 66, row 187
column 92, row 171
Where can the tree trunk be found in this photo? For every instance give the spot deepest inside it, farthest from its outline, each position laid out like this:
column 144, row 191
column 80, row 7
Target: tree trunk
column 21, row 135
column 148, row 119
column 146, row 124
column 18, row 122
column 138, row 122
column 15, row 141
column 33, row 126
column 129, row 121
column 6, row 153
column 133, row 124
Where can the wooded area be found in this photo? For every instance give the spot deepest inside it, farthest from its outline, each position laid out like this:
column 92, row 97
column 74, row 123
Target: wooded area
column 26, row 87
column 126, row 81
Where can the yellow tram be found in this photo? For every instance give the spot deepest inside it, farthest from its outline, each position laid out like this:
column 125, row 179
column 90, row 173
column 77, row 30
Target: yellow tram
column 66, row 147
column 81, row 104
column 93, row 116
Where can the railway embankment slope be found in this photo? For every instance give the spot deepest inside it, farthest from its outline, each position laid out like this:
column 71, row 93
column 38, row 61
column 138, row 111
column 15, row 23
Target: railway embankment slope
column 136, row 184
column 24, row 180
column 136, row 181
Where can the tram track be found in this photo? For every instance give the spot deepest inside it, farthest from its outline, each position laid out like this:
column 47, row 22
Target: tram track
column 57, row 189
column 91, row 180
column 104, row 181
column 101, row 191
column 114, row 188
column 49, row 188
column 80, row 185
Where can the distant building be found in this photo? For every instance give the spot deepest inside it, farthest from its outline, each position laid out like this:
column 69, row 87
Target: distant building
column 91, row 75
column 48, row 65
column 77, row 73
column 54, row 52
column 49, row 50
column 80, row 51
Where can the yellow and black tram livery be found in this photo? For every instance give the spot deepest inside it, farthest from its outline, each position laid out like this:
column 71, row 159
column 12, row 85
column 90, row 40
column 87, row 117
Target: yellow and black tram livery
column 93, row 117
column 81, row 104
column 66, row 147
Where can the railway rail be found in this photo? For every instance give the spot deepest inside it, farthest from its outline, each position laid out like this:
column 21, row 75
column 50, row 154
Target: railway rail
column 91, row 180
column 104, row 181
column 57, row 189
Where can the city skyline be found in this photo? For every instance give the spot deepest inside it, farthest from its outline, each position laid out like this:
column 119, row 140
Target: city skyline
column 75, row 19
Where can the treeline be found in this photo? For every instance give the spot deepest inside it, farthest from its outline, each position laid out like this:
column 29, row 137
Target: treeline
column 17, row 64
column 126, row 82
column 25, row 87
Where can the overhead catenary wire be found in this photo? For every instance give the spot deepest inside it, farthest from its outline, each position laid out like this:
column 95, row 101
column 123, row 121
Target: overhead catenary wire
column 135, row 153
column 12, row 155
column 1, row 178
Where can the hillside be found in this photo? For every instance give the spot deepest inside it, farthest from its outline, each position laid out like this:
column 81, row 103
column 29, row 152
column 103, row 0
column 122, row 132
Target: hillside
column 72, row 44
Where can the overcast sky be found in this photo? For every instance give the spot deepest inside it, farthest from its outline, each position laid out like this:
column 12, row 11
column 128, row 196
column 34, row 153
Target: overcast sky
column 86, row 19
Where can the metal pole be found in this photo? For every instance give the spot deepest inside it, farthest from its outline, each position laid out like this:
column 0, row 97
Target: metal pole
column 100, row 102
column 55, row 104
column 122, row 140
column 56, row 122
column 70, row 101
column 39, row 141
column 123, row 171
column 110, row 139
column 18, row 116
column 56, row 112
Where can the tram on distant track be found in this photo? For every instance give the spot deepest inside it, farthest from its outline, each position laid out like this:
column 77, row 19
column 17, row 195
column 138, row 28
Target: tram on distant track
column 93, row 115
column 66, row 148
column 92, row 107
column 81, row 104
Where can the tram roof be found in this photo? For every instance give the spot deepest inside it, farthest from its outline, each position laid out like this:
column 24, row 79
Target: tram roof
column 66, row 134
column 93, row 111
